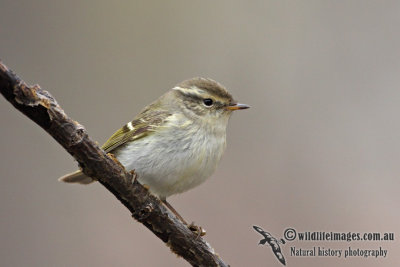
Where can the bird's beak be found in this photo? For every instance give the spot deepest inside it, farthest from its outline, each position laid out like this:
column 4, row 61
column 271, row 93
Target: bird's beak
column 237, row 106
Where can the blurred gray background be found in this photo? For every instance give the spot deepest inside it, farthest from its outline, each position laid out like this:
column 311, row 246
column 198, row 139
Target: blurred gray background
column 318, row 151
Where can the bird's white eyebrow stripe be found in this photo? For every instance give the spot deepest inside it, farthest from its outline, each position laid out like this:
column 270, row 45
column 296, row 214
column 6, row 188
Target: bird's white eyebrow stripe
column 196, row 93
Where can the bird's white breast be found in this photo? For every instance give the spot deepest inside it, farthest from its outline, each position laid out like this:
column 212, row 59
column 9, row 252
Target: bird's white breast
column 176, row 158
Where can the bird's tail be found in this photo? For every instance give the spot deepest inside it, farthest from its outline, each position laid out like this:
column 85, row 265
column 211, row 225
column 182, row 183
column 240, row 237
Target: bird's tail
column 77, row 177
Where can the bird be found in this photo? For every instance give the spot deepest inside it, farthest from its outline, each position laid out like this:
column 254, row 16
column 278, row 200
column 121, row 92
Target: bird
column 175, row 143
column 273, row 242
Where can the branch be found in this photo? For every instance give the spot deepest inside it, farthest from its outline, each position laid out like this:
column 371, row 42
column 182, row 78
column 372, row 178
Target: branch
column 43, row 109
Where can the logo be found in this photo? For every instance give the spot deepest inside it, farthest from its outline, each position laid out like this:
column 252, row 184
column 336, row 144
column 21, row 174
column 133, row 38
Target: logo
column 272, row 242
column 324, row 250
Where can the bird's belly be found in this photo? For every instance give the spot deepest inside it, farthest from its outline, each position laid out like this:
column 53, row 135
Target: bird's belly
column 173, row 164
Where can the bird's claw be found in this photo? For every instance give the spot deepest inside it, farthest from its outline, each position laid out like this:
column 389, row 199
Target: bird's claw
column 198, row 230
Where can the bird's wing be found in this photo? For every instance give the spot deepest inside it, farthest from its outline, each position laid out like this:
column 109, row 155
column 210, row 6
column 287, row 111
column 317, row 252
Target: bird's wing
column 258, row 229
column 144, row 124
column 277, row 251
column 267, row 235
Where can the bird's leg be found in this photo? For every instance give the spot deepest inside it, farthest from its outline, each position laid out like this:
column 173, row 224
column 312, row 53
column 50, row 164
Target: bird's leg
column 174, row 211
column 194, row 228
column 134, row 176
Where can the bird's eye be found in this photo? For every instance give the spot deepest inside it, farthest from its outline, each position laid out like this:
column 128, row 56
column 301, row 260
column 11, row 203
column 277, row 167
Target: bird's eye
column 208, row 102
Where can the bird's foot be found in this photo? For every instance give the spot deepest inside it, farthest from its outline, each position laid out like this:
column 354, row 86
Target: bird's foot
column 198, row 230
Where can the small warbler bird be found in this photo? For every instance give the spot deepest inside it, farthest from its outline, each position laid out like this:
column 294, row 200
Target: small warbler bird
column 176, row 142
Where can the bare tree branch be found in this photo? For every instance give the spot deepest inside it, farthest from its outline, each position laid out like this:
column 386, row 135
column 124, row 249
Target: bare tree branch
column 43, row 109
